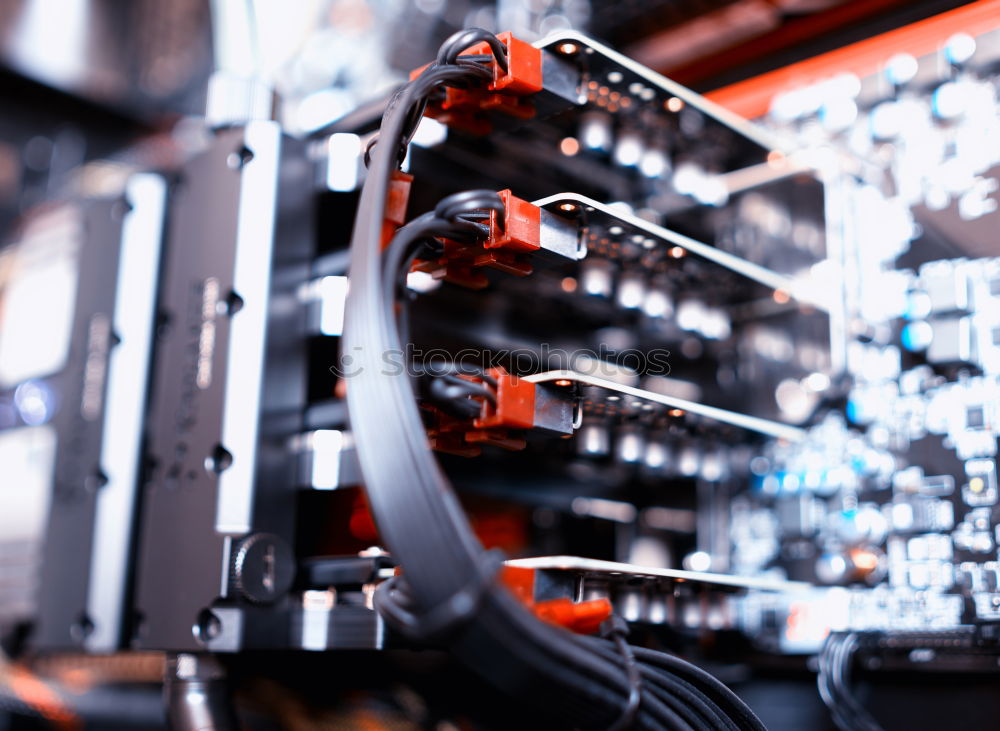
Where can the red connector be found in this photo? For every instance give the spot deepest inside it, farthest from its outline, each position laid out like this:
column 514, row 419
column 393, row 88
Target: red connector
column 514, row 409
column 396, row 201
column 505, row 249
column 468, row 109
column 522, row 227
column 580, row 617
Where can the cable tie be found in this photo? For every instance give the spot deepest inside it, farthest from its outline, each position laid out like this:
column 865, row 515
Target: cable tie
column 445, row 618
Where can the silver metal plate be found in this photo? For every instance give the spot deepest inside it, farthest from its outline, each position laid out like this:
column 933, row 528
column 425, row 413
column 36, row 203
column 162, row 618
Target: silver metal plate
column 751, row 423
column 627, row 571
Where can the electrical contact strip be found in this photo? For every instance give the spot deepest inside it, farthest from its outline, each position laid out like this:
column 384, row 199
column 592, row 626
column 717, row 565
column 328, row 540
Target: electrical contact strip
column 752, row 423
column 762, row 275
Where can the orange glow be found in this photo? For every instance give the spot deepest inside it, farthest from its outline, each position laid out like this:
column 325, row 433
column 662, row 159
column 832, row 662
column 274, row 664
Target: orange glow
column 752, row 98
column 802, row 625
column 35, row 693
column 864, row 560
column 569, row 146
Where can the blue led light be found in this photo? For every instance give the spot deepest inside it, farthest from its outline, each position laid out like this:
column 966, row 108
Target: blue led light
column 916, row 336
column 35, row 402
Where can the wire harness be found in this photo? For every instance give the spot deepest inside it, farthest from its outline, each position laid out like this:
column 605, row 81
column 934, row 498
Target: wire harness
column 834, row 682
column 449, row 592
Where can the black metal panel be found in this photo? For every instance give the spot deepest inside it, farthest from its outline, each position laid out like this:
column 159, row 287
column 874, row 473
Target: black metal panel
column 226, row 288
column 82, row 387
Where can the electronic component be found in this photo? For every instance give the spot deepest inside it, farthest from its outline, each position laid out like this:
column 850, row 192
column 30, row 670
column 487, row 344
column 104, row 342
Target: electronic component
column 556, row 347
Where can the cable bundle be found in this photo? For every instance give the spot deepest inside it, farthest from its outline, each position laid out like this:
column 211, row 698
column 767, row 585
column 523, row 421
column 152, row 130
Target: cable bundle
column 458, row 217
column 447, row 592
column 834, row 681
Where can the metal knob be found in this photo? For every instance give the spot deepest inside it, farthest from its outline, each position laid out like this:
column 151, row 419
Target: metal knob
column 263, row 568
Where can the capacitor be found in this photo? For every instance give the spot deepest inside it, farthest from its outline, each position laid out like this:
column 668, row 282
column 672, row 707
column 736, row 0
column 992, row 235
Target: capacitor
column 959, row 48
column 886, row 120
column 596, row 277
column 691, row 314
column 715, row 324
column 654, row 163
column 950, row 99
column 628, row 148
column 838, row 114
column 688, row 460
column 900, row 69
column 629, row 445
column 595, row 131
column 713, row 466
column 849, row 567
column 866, row 524
column 631, row 290
column 833, row 567
column 657, row 458
column 593, row 440
column 917, row 336
column 658, row 302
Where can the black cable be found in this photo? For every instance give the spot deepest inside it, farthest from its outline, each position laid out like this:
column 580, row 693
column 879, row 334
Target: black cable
column 456, row 368
column 834, row 683
column 676, row 688
column 839, row 712
column 712, row 687
column 418, row 515
column 842, row 681
column 530, row 647
column 616, row 629
column 454, row 217
column 450, row 219
column 394, row 602
column 402, row 244
column 471, row 388
column 469, row 203
column 415, row 103
column 458, row 42
column 708, row 715
column 456, row 396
